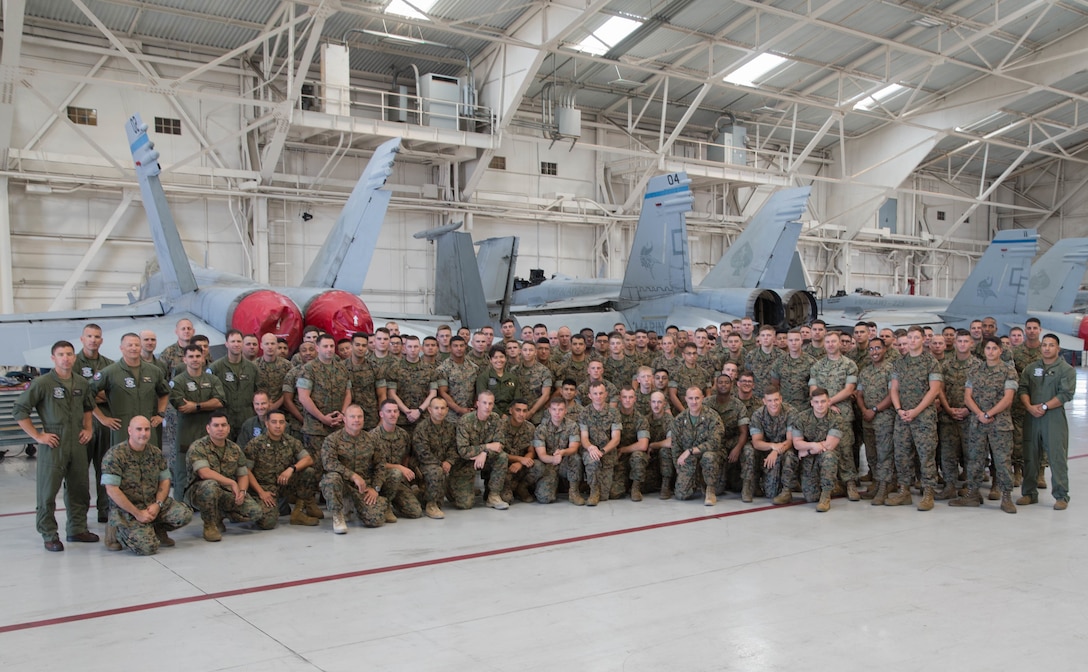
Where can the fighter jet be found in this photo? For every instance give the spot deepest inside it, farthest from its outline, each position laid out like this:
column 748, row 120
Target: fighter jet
column 216, row 301
column 997, row 287
column 657, row 289
column 1056, row 276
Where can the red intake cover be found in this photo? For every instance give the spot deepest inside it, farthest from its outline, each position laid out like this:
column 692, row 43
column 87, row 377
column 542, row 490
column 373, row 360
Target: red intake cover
column 339, row 314
column 266, row 311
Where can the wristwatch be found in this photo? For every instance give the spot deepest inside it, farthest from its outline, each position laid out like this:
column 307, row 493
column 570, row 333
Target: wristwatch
column 986, row 416
column 1045, row 407
column 874, row 410
column 159, row 504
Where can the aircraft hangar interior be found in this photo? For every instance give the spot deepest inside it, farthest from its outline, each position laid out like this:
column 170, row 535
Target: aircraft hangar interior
column 881, row 147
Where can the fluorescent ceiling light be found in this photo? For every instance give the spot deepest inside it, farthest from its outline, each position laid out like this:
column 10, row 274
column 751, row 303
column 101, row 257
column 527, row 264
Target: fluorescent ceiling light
column 869, row 102
column 981, row 122
column 755, row 69
column 926, row 21
column 415, row 10
column 608, row 35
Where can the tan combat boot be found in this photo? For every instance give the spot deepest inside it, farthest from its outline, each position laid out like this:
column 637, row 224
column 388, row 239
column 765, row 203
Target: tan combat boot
column 927, row 500
column 1040, row 480
column 300, row 517
column 900, row 497
column 111, row 538
column 523, row 494
column 339, row 525
column 391, row 517
column 948, row 492
column 880, row 495
column 164, row 540
column 994, row 495
column 852, row 491
column 824, row 505
column 594, row 494
column 711, row 499
column 211, row 530
column 784, row 496
column 636, row 491
column 311, row 509
column 496, row 502
column 574, row 495
column 666, row 490
column 432, row 511
column 970, row 498
column 747, row 490
column 1006, row 503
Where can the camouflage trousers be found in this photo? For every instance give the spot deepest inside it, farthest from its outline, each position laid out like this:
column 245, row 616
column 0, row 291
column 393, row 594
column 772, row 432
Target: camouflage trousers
column 215, row 502
column 303, row 486
column 399, row 493
column 313, row 444
column 1018, row 413
column 435, row 482
column 982, row 442
column 818, row 474
column 336, row 490
column 666, row 460
column 600, row 472
column 629, row 466
column 951, row 445
column 516, row 474
column 879, row 450
column 779, row 476
column 848, row 467
column 462, row 479
column 651, row 482
column 917, row 437
column 709, row 464
column 545, row 477
column 143, row 538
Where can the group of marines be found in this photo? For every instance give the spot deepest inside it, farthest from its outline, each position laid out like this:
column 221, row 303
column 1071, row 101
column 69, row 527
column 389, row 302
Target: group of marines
column 385, row 425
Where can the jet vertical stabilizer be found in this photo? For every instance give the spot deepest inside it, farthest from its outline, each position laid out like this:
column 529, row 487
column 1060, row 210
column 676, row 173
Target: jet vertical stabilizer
column 177, row 276
column 999, row 282
column 457, row 287
column 355, row 234
column 1056, row 276
column 763, row 252
column 659, row 263
column 496, row 260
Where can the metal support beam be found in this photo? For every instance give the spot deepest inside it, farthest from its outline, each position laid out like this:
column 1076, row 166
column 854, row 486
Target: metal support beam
column 62, row 296
column 9, row 68
column 274, row 149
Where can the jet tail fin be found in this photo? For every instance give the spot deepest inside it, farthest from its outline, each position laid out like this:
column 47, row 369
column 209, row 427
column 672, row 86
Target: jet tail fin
column 795, row 276
column 659, row 264
column 458, row 289
column 999, row 281
column 761, row 256
column 177, row 276
column 497, row 259
column 355, row 234
column 1056, row 276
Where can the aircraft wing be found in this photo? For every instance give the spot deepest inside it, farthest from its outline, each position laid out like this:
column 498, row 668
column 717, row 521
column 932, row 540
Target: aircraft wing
column 597, row 301
column 30, row 340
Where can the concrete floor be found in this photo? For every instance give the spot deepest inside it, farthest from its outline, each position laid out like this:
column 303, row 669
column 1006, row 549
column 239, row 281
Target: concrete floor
column 648, row 586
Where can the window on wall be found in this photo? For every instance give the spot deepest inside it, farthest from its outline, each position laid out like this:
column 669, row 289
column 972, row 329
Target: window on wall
column 168, row 126
column 940, row 215
column 497, row 163
column 549, row 168
column 83, row 115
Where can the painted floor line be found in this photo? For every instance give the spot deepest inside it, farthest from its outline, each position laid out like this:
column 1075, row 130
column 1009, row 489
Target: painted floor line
column 90, row 615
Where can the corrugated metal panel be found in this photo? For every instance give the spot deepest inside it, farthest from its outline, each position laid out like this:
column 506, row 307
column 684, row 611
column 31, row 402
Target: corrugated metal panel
column 116, row 17
column 208, row 32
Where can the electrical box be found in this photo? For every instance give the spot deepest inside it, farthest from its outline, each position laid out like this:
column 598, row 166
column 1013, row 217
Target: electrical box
column 398, row 105
column 441, row 98
column 569, row 120
column 728, row 147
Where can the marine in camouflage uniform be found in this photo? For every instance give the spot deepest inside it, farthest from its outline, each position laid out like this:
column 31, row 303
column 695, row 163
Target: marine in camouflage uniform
column 662, row 463
column 991, row 434
column 583, row 392
column 952, row 433
column 270, row 377
column 393, row 444
column 762, row 365
column 600, row 426
column 266, row 459
column 211, row 498
column 534, row 378
column 763, row 426
column 631, row 465
column 835, row 375
column 141, row 475
column 620, row 371
column 473, row 435
column 551, row 438
column 912, row 376
column 735, row 420
column 459, row 382
column 413, row 383
column 700, row 436
column 575, row 369
column 364, row 389
column 434, row 446
column 343, row 456
column 1022, row 356
column 877, row 433
column 818, row 471
column 328, row 383
column 199, row 389
column 793, row 374
column 517, row 443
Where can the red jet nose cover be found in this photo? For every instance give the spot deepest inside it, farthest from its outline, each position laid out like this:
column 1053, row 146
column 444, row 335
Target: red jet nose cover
column 266, row 311
column 339, row 314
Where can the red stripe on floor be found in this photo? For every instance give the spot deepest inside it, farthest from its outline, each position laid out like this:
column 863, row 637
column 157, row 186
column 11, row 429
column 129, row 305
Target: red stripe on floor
column 376, row 570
